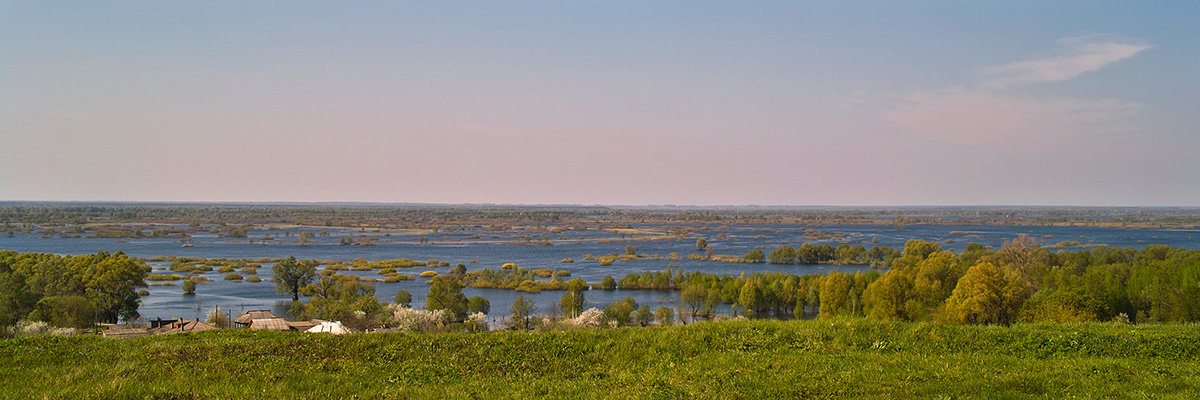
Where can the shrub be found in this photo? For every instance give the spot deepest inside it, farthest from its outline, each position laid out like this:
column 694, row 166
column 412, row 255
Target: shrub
column 429, row 274
column 253, row 278
column 65, row 311
column 590, row 318
column 476, row 322
column 32, row 328
column 233, row 277
column 568, row 260
column 410, row 320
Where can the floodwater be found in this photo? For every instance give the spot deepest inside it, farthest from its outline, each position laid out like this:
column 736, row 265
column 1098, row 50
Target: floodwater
column 480, row 248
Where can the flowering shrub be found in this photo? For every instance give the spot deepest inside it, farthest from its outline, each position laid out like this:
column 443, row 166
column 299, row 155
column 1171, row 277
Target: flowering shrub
column 412, row 320
column 590, row 318
column 476, row 322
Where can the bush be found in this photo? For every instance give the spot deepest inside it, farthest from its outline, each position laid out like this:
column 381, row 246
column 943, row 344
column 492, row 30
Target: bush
column 34, row 328
column 65, row 312
column 253, row 278
column 568, row 260
column 476, row 322
column 590, row 318
column 411, row 320
column 233, row 277
column 429, row 274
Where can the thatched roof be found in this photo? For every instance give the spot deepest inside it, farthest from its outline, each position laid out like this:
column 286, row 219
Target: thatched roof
column 252, row 315
column 124, row 332
column 302, row 326
column 269, row 324
column 183, row 326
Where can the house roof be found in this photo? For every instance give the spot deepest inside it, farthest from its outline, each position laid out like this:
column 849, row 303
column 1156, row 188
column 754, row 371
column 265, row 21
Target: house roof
column 124, row 332
column 183, row 326
column 252, row 315
column 303, row 325
column 269, row 324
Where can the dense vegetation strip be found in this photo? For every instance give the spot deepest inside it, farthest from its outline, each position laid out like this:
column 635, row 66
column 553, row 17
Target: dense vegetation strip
column 750, row 359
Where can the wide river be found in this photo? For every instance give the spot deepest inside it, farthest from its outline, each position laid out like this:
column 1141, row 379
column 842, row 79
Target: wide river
column 478, row 248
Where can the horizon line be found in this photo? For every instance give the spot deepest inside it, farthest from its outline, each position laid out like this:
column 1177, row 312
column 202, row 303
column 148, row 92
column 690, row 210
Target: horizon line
column 577, row 205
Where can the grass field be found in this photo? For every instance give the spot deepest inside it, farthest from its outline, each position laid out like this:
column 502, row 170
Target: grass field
column 748, row 359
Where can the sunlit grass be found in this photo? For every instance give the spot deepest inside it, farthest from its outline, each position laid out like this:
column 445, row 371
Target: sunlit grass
column 743, row 359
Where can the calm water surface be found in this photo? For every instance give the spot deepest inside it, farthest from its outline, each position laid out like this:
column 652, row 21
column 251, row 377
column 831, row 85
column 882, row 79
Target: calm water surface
column 480, row 248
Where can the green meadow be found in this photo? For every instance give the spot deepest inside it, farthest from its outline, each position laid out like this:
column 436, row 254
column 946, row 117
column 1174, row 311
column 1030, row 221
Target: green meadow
column 838, row 358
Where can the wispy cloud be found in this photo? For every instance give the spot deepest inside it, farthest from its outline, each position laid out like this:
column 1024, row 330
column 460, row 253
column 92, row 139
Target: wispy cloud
column 989, row 114
column 1083, row 54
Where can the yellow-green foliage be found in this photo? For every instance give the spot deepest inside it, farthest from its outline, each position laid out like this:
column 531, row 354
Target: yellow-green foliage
column 253, row 278
column 568, row 260
column 233, row 277
column 428, row 274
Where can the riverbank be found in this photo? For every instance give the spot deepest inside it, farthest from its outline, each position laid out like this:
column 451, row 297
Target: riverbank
column 738, row 359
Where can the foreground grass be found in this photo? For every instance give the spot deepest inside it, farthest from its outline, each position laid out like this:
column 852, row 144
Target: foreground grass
column 750, row 359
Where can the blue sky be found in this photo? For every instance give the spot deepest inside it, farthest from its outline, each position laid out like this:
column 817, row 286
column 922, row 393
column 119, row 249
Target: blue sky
column 771, row 103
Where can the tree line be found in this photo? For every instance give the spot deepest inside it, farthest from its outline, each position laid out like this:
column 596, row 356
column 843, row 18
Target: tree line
column 69, row 291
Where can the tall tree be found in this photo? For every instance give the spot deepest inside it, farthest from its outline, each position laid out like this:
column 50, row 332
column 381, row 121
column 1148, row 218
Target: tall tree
column 985, row 295
column 446, row 294
column 291, row 275
column 520, row 312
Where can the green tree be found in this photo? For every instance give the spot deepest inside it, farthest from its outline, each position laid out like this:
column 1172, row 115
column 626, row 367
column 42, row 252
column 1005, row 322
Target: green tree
column 754, row 256
column 783, row 255
column 608, row 283
column 643, row 316
column 403, row 297
column 71, row 311
column 520, row 312
column 750, row 298
column 701, row 244
column 291, row 275
column 344, row 298
column 479, row 304
column 621, row 311
column 189, row 287
column 834, row 290
column 887, row 297
column 446, row 294
column 694, row 296
column 571, row 303
column 664, row 315
column 985, row 295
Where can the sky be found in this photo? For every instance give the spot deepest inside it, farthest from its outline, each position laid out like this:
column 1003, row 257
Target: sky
column 619, row 103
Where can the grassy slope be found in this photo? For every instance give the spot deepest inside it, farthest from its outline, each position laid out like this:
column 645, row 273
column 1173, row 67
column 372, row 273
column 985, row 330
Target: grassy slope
column 754, row 359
